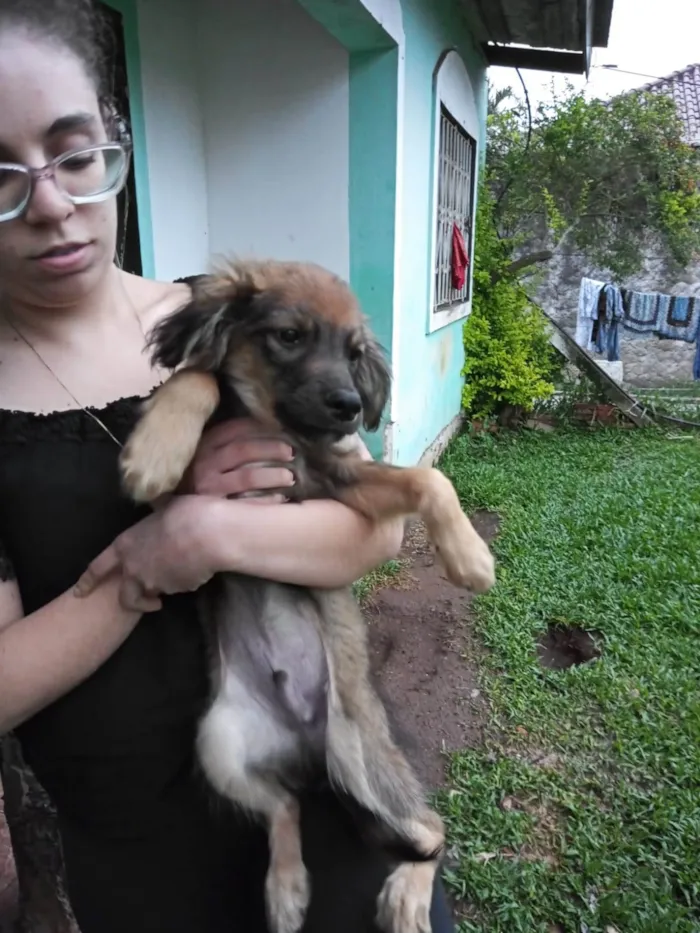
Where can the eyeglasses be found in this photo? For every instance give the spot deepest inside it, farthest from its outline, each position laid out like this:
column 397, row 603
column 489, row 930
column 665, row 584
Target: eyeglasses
column 83, row 176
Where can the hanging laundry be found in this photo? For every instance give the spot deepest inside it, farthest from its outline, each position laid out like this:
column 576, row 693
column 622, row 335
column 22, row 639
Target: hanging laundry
column 679, row 318
column 674, row 317
column 588, row 301
column 614, row 314
column 603, row 307
column 609, row 312
column 641, row 311
column 460, row 259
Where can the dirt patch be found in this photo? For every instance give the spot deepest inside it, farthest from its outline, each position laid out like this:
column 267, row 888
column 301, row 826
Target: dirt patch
column 564, row 646
column 425, row 657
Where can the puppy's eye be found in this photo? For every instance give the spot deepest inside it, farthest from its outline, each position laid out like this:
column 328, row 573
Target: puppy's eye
column 355, row 354
column 289, row 336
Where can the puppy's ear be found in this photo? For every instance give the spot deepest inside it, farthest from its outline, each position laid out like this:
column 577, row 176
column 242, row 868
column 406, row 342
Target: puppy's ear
column 200, row 332
column 373, row 382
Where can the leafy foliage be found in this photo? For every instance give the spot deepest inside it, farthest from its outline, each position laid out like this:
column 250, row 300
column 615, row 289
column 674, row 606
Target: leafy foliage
column 600, row 175
column 508, row 357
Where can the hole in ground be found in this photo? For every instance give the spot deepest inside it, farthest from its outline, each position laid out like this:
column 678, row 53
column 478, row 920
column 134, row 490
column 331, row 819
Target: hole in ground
column 564, row 646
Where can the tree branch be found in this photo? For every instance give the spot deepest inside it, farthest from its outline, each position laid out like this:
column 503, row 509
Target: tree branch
column 531, row 259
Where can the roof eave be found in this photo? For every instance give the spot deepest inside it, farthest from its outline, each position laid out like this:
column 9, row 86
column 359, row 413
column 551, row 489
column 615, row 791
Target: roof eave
column 535, row 59
column 541, row 48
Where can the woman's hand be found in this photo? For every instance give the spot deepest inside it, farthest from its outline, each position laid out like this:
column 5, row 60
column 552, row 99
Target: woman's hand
column 166, row 552
column 237, row 457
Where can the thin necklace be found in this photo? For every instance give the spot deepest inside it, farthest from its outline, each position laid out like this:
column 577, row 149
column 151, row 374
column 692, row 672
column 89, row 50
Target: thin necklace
column 77, row 401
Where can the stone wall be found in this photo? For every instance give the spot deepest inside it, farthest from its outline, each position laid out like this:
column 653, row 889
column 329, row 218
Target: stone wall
column 647, row 361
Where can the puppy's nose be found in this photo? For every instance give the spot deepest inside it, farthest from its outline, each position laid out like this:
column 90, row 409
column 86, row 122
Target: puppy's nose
column 345, row 404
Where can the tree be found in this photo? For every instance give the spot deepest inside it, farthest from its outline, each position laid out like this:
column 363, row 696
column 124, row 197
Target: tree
column 592, row 176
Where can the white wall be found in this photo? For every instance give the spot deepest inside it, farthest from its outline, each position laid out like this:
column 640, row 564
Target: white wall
column 175, row 138
column 276, row 109
column 247, row 110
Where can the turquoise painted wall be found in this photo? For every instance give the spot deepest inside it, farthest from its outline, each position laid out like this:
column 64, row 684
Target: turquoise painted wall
column 373, row 125
column 428, row 383
column 373, row 83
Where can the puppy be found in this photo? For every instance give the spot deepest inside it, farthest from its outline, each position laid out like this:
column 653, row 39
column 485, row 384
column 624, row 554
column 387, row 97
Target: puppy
column 286, row 343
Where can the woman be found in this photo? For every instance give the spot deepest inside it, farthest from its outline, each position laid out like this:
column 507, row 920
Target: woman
column 104, row 699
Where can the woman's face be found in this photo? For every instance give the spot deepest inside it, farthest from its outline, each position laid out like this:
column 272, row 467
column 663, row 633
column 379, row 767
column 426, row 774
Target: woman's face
column 48, row 106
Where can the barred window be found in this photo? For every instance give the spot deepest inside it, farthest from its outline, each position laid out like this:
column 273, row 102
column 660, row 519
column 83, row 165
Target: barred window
column 455, row 200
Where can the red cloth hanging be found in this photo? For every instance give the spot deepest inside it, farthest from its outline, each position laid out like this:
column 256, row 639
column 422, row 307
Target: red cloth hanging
column 460, row 259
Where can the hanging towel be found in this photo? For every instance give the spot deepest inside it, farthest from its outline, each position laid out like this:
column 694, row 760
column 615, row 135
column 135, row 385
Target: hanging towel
column 679, row 318
column 605, row 335
column 460, row 259
column 641, row 311
column 588, row 298
column 614, row 313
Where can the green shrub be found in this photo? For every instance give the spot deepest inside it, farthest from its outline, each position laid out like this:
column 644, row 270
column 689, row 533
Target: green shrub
column 509, row 360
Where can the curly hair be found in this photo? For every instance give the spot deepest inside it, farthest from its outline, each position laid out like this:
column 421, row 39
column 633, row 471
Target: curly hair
column 78, row 25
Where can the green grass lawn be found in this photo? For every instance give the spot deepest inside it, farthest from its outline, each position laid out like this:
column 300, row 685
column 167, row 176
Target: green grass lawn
column 583, row 813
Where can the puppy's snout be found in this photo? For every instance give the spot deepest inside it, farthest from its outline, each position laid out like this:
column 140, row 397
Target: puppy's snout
column 344, row 404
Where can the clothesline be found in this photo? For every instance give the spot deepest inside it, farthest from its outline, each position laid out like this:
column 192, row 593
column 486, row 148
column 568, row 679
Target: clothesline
column 603, row 307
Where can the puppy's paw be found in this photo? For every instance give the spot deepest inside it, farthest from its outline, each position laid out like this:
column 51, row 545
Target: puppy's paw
column 287, row 895
column 155, row 459
column 467, row 558
column 404, row 902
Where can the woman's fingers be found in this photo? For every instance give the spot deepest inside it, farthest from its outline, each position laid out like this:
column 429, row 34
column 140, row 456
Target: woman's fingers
column 274, row 498
column 98, row 570
column 234, row 456
column 235, row 431
column 251, row 479
column 135, row 598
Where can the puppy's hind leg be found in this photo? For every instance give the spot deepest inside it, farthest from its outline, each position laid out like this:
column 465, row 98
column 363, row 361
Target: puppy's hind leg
column 287, row 886
column 237, row 746
column 365, row 763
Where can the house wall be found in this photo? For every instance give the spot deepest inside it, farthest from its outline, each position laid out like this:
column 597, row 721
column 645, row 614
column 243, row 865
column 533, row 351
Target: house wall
column 173, row 118
column 341, row 99
column 372, row 33
column 429, row 382
column 234, row 110
column 275, row 104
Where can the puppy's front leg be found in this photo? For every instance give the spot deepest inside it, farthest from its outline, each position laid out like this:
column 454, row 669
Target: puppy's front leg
column 165, row 439
column 380, row 491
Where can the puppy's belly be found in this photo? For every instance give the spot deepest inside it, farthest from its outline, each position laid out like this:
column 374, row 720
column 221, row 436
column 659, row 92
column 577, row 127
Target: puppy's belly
column 238, row 738
column 272, row 662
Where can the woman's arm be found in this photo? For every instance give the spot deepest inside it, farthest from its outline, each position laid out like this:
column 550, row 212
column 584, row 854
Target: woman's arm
column 47, row 653
column 178, row 548
column 319, row 543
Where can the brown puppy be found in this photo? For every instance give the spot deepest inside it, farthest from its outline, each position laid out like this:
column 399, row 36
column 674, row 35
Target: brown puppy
column 287, row 344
